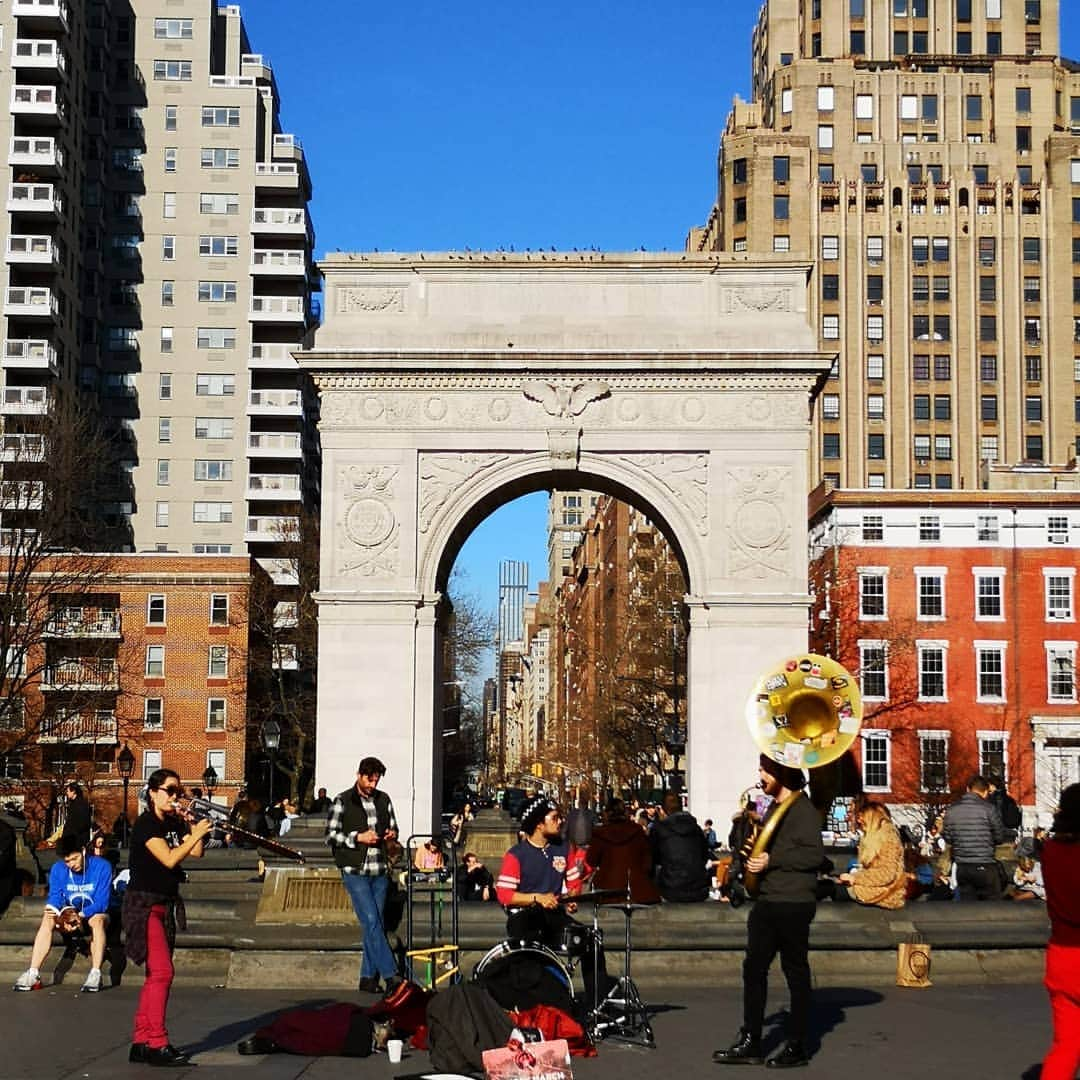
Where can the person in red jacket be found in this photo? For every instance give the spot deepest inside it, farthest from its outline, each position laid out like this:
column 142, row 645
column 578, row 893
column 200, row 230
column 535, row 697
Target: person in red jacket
column 1061, row 875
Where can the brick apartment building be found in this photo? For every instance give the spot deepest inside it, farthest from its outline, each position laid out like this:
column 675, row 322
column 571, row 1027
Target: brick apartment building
column 145, row 651
column 957, row 611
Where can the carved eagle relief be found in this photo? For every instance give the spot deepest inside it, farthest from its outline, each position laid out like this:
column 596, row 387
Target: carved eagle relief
column 564, row 401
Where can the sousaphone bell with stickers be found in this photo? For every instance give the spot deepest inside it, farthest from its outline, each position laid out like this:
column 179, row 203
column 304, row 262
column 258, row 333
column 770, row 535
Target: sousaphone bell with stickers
column 805, row 713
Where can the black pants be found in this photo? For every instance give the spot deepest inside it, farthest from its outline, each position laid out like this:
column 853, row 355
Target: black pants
column 555, row 929
column 785, row 928
column 978, row 881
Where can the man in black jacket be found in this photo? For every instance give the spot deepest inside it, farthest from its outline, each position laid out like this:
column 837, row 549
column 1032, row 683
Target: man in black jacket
column 361, row 822
column 679, row 853
column 780, row 920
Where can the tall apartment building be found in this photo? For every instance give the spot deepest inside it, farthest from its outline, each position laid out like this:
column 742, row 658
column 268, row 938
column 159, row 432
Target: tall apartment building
column 513, row 594
column 567, row 513
column 924, row 156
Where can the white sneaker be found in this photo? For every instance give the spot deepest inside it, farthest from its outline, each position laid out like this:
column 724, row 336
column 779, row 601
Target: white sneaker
column 28, row 980
column 93, row 982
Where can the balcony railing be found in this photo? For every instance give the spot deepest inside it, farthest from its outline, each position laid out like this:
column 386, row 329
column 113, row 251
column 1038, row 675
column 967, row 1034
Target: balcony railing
column 40, row 152
column 53, row 10
column 38, row 54
column 22, row 494
column 281, row 219
column 284, row 175
column 37, row 100
column 24, row 401
column 273, row 486
column 33, row 354
column 35, row 302
column 285, row 444
column 26, row 198
column 40, row 250
column 233, row 82
column 76, row 622
column 22, row 446
column 272, row 529
column 277, row 355
column 279, row 261
column 98, row 727
column 281, row 402
column 278, row 309
column 284, row 145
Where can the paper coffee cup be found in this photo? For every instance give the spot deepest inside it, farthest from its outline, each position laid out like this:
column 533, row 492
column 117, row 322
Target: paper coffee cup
column 393, row 1050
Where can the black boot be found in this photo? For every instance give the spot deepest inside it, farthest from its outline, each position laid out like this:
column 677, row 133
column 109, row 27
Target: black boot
column 167, row 1057
column 745, row 1050
column 368, row 984
column 792, row 1055
column 257, row 1044
column 137, row 1054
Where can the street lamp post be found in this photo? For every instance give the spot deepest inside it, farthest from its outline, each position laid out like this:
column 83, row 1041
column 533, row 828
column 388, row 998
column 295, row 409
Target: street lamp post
column 125, row 763
column 210, row 779
column 271, row 737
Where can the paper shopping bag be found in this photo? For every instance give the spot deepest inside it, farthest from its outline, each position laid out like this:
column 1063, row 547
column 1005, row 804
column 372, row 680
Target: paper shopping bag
column 913, row 963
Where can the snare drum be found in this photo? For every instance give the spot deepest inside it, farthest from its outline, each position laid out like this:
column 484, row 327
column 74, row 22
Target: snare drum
column 521, row 974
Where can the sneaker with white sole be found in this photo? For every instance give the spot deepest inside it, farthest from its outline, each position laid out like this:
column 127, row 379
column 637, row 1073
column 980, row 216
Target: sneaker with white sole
column 93, row 982
column 28, row 980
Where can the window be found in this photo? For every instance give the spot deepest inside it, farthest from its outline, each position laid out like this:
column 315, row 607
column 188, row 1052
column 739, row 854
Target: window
column 1059, row 602
column 920, row 407
column 781, row 169
column 215, row 759
column 1023, row 139
column 973, row 107
column 830, row 446
column 1033, row 447
column 163, row 471
column 864, row 107
column 942, row 368
column 825, row 137
column 173, row 28
column 875, row 447
column 1023, row 99
column 155, row 661
column 219, row 157
column 781, row 207
column 168, row 248
column 219, row 609
column 942, row 407
column 285, row 657
column 220, row 117
column 781, row 243
column 988, row 594
column 1032, row 249
column 213, row 427
column 990, row 663
column 786, row 98
column 875, row 288
column 857, row 42
column 909, row 107
column 920, row 367
column 164, row 429
column 1061, row 671
column 168, row 290
column 963, row 43
column 943, row 448
column 154, row 714
column 920, row 289
column 826, row 98
column 225, row 203
column 830, row 406
column 872, row 595
column 215, row 385
column 166, row 340
column 1033, row 409
column 1057, row 530
column 155, row 609
column 875, row 249
column 873, row 528
column 170, row 166
column 993, row 755
column 172, row 70
column 993, row 9
column 213, row 513
column 1032, row 290
column 934, row 760
column 921, row 448
column 875, row 366
column 873, row 670
column 875, row 328
column 830, row 286
column 826, row 172
column 168, row 202
column 875, row 760
column 213, row 471
column 920, row 249
column 875, row 408
column 931, row 593
column 931, row 671
column 988, row 368
column 215, row 337
column 165, row 385
column 988, row 407
column 215, row 716
column 211, row 549
column 738, row 171
column 1033, row 368
column 170, row 117
column 218, row 666
column 151, row 762
column 830, row 248
column 988, row 327
column 988, row 447
column 217, row 292
column 830, row 327
column 218, row 245
column 987, row 250
column 929, row 529
column 940, row 247
column 929, row 108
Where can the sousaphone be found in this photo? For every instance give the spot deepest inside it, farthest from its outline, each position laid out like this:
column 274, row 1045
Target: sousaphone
column 804, row 713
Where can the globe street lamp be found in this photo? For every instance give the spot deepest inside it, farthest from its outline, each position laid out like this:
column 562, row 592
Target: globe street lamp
column 125, row 763
column 271, row 737
column 209, row 779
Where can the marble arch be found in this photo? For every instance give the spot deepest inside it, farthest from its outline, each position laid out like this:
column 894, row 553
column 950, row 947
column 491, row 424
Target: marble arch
column 451, row 383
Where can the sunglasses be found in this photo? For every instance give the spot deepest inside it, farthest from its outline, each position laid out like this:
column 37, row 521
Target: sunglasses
column 172, row 789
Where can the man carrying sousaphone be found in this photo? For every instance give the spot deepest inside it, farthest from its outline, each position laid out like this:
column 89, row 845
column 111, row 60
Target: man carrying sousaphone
column 786, row 884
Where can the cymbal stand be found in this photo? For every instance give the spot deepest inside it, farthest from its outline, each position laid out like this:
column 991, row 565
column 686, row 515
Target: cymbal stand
column 623, row 1015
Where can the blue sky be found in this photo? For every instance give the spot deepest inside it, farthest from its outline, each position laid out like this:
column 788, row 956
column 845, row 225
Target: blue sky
column 483, row 124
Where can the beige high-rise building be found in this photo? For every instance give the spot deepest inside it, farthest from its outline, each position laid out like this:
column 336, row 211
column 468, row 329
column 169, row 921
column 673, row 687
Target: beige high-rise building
column 924, row 156
column 159, row 257
column 567, row 513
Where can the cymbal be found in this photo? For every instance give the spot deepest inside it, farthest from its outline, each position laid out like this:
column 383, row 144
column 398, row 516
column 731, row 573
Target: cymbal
column 597, row 896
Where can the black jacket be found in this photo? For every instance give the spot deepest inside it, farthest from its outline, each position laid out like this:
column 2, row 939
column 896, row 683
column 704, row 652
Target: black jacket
column 679, row 854
column 77, row 821
column 795, row 856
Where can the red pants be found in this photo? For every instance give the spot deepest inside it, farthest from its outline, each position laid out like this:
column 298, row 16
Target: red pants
column 154, row 998
column 1063, row 984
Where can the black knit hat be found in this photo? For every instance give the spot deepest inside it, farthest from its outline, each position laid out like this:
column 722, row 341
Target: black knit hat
column 792, row 779
column 534, row 811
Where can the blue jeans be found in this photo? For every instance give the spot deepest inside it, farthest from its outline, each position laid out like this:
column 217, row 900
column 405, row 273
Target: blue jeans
column 368, row 896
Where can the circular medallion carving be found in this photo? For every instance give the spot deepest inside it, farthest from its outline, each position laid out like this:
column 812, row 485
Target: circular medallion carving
column 372, row 408
column 369, row 522
column 435, row 408
column 499, row 409
column 759, row 524
column 629, row 409
column 759, row 409
column 693, row 410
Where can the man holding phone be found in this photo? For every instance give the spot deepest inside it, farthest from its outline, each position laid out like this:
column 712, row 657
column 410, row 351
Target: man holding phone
column 361, row 821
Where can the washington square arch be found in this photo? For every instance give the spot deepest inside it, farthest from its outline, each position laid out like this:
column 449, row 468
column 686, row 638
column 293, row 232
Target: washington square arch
column 451, row 384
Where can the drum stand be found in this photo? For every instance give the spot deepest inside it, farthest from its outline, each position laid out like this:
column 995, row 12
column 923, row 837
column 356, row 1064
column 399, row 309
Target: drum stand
column 622, row 1014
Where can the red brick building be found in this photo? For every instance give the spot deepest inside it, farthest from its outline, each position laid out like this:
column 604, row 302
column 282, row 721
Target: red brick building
column 147, row 651
column 957, row 611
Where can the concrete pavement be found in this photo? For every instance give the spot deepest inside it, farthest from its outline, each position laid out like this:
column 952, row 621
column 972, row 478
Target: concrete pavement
column 994, row 1032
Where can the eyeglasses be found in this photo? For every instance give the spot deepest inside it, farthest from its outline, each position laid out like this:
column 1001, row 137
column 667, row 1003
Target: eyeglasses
column 172, row 789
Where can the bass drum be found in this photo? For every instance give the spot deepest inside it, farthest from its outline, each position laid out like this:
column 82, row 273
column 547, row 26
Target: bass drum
column 521, row 974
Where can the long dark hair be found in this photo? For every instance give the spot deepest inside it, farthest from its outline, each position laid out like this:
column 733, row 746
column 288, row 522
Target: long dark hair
column 156, row 779
column 1067, row 819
